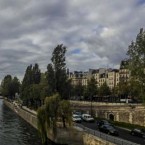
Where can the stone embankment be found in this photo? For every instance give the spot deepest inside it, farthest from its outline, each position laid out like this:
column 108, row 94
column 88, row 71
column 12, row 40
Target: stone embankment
column 70, row 136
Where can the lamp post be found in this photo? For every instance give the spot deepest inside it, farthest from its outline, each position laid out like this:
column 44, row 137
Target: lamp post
column 91, row 104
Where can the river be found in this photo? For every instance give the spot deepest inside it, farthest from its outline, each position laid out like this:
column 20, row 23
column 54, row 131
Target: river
column 14, row 130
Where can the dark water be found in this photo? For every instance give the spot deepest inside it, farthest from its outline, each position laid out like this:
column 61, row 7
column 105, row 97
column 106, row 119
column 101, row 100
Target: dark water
column 14, row 130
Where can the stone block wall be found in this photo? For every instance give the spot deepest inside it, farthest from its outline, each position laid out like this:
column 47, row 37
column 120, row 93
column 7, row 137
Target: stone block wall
column 92, row 140
column 70, row 136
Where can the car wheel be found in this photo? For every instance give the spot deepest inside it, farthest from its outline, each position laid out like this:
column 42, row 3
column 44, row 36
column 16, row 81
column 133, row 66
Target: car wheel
column 132, row 133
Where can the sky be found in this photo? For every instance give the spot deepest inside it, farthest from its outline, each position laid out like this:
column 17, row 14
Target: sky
column 97, row 33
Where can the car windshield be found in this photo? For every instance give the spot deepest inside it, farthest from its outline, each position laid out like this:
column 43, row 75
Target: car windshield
column 109, row 127
column 137, row 130
column 105, row 121
column 87, row 116
column 76, row 116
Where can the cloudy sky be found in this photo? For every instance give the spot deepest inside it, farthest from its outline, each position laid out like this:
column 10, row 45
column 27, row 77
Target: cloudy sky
column 96, row 32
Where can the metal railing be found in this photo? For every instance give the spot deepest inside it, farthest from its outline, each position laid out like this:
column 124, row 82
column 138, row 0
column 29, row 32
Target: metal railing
column 105, row 137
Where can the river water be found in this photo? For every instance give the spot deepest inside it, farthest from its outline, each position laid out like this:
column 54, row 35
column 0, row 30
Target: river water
column 14, row 130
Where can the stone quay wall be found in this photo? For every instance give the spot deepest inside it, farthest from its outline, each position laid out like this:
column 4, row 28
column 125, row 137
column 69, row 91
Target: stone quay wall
column 69, row 136
column 122, row 112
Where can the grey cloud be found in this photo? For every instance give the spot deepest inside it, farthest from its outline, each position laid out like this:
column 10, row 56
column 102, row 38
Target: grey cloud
column 101, row 31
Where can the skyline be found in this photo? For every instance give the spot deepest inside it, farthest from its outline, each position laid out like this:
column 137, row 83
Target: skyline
column 96, row 33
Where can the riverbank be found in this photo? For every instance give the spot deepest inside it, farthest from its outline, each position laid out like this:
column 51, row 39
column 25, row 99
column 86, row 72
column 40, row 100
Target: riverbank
column 68, row 136
column 71, row 136
column 14, row 130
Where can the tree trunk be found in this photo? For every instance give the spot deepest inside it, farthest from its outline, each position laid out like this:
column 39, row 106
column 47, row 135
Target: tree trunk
column 63, row 120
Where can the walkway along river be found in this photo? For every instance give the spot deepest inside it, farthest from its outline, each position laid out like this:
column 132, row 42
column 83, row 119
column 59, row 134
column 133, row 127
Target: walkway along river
column 14, row 130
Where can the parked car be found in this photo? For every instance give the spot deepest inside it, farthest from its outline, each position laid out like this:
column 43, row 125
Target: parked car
column 109, row 130
column 76, row 118
column 87, row 118
column 137, row 132
column 78, row 113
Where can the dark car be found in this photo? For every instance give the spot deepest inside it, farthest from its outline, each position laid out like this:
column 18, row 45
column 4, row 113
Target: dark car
column 109, row 130
column 103, row 122
column 137, row 132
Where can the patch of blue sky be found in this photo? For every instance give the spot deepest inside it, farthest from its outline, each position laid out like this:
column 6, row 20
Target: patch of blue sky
column 76, row 51
column 98, row 28
column 140, row 2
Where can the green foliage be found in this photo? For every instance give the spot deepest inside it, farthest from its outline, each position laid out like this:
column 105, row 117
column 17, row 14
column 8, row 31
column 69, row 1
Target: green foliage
column 30, row 89
column 136, row 54
column 124, row 88
column 65, row 112
column 56, row 73
column 104, row 90
column 51, row 108
column 127, row 125
column 41, row 124
column 10, row 86
column 78, row 90
column 48, row 115
column 92, row 87
column 51, row 79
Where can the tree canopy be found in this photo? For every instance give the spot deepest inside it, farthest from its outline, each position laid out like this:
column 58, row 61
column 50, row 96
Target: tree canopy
column 57, row 74
column 50, row 113
column 10, row 86
column 136, row 54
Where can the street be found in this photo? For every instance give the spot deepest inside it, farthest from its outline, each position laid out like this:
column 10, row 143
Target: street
column 124, row 134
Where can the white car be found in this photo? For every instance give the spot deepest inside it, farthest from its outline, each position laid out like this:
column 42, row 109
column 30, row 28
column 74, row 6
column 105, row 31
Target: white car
column 87, row 118
column 76, row 118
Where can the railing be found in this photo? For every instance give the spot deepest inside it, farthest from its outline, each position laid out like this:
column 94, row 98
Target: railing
column 106, row 137
column 105, row 103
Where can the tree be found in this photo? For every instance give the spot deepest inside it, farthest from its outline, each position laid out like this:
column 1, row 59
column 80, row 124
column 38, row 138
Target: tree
column 57, row 76
column 104, row 90
column 36, row 74
column 10, row 86
column 92, row 88
column 78, row 90
column 49, row 114
column 30, row 89
column 41, row 124
column 65, row 112
column 136, row 54
column 123, row 88
column 6, row 85
column 50, row 75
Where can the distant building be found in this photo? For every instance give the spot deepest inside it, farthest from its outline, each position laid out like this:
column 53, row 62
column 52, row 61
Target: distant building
column 124, row 71
column 111, row 76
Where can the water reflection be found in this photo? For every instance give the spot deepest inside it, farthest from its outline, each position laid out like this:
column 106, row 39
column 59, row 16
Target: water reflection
column 14, row 130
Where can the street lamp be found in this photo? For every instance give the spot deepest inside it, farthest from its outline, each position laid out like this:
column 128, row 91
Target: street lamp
column 91, row 104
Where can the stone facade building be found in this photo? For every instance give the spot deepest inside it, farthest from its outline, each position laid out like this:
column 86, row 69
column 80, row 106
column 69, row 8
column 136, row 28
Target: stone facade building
column 111, row 76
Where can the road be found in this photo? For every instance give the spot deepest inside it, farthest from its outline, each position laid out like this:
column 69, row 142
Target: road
column 124, row 134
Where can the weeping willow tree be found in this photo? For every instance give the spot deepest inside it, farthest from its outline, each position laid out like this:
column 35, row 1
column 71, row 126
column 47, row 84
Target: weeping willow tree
column 50, row 113
column 41, row 124
column 65, row 112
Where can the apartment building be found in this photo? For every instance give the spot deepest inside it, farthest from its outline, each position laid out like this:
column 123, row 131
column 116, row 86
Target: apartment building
column 79, row 77
column 111, row 76
column 124, row 71
column 102, row 75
